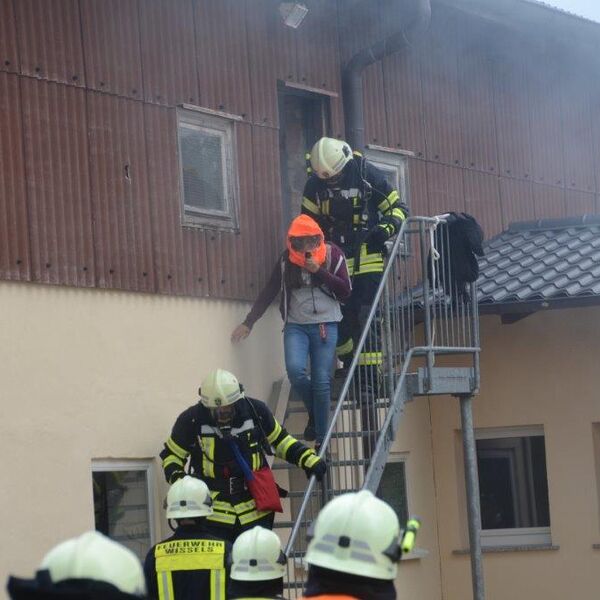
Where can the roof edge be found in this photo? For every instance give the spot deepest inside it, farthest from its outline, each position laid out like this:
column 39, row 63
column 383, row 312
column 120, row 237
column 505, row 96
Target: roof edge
column 565, row 223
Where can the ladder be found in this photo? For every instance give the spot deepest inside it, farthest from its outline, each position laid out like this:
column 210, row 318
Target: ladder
column 420, row 337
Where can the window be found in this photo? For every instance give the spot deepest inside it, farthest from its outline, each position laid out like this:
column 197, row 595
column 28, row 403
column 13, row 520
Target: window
column 393, row 165
column 208, row 170
column 123, row 503
column 392, row 487
column 513, row 486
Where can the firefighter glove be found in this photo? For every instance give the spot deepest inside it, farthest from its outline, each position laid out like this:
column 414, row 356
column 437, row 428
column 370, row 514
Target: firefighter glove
column 318, row 469
column 376, row 239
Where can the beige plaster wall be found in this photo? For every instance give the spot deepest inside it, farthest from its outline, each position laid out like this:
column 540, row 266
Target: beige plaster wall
column 543, row 370
column 96, row 374
column 420, row 577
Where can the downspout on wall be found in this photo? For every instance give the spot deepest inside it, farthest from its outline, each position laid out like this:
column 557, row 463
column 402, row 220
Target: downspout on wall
column 352, row 89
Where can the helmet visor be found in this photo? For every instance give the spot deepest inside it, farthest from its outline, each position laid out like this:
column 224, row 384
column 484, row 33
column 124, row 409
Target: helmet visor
column 223, row 415
column 334, row 179
column 304, row 243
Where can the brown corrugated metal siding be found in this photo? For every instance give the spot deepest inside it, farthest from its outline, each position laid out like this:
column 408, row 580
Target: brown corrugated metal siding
column 119, row 184
column 8, row 38
column 49, row 36
column 58, row 185
column 111, row 40
column 14, row 232
column 90, row 183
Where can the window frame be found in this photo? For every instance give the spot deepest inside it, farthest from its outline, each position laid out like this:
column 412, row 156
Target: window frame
column 194, row 117
column 402, row 457
column 399, row 457
column 383, row 158
column 515, row 536
column 133, row 464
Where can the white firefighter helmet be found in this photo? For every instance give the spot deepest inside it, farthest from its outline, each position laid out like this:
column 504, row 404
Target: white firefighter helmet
column 257, row 556
column 188, row 498
column 94, row 556
column 220, row 388
column 356, row 533
column 329, row 156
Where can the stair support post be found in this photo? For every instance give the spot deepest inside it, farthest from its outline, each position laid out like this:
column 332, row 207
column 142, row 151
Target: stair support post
column 473, row 503
column 426, row 307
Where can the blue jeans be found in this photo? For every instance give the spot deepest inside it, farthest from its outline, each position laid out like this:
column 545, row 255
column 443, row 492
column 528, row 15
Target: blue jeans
column 300, row 343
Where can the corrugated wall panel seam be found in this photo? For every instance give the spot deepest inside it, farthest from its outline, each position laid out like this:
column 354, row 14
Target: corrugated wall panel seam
column 319, row 63
column 511, row 103
column 482, row 200
column 9, row 52
column 404, row 100
column 516, row 200
column 58, row 183
column 111, row 31
column 549, row 202
column 223, row 56
column 15, row 255
column 50, row 40
column 168, row 52
column 578, row 146
column 546, row 120
column 476, row 95
column 441, row 92
column 579, row 203
column 120, row 194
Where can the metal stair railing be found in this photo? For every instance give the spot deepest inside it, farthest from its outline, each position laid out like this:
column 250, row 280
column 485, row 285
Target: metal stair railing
column 417, row 318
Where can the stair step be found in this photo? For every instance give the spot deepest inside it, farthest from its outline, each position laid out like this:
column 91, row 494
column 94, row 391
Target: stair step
column 294, row 585
column 381, row 403
column 341, row 435
column 288, row 524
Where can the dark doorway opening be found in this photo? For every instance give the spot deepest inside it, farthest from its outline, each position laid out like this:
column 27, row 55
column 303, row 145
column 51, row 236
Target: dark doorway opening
column 304, row 117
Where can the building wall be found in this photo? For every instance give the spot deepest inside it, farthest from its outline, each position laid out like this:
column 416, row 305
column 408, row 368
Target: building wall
column 539, row 371
column 501, row 125
column 101, row 374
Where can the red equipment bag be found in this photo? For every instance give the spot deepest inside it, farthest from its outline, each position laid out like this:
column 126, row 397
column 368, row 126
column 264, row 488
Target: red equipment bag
column 264, row 490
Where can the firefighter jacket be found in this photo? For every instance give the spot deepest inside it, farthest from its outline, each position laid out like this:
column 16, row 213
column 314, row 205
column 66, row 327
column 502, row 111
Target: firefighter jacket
column 253, row 429
column 326, row 584
column 190, row 564
column 358, row 213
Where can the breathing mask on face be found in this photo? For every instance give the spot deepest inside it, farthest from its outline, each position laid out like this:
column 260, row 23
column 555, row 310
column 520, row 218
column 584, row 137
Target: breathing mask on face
column 305, row 241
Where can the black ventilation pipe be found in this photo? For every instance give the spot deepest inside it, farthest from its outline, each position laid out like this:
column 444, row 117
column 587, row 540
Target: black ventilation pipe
column 352, row 90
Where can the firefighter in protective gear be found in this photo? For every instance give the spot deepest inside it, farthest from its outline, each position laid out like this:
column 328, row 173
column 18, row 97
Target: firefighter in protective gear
column 359, row 211
column 192, row 563
column 89, row 567
column 226, row 436
column 258, row 565
column 354, row 549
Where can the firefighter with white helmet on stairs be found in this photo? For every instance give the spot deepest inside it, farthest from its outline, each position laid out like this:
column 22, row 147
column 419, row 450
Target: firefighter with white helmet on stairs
column 226, row 437
column 89, row 567
column 258, row 566
column 358, row 210
column 192, row 562
column 354, row 549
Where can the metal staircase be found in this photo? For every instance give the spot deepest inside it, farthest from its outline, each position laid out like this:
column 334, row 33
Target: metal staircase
column 420, row 337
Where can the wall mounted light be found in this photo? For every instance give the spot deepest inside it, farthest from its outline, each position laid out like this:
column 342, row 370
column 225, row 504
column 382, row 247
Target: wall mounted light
column 292, row 13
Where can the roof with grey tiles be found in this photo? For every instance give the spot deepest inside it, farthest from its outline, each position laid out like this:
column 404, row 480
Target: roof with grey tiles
column 545, row 263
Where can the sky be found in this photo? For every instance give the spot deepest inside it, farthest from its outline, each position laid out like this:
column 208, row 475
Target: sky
column 586, row 8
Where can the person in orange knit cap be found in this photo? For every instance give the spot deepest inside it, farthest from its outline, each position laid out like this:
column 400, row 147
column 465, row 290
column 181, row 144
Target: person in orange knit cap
column 312, row 277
